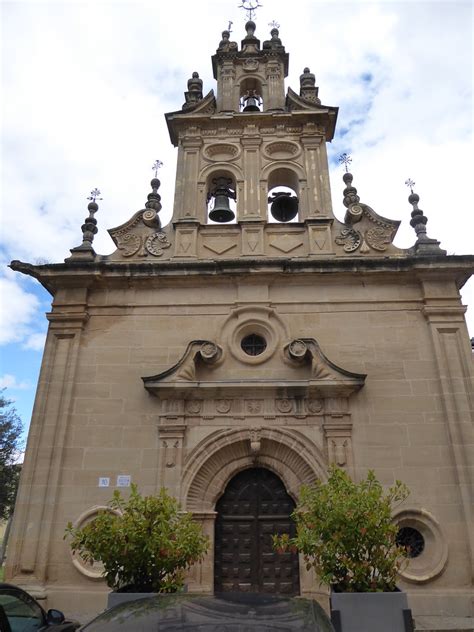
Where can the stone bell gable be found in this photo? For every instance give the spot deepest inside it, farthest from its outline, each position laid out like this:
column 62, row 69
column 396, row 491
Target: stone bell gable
column 235, row 353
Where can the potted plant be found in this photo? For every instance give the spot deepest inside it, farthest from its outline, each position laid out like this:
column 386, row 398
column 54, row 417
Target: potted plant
column 346, row 534
column 145, row 544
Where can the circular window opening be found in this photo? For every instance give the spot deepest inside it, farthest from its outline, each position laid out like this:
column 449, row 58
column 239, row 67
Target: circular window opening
column 411, row 540
column 253, row 345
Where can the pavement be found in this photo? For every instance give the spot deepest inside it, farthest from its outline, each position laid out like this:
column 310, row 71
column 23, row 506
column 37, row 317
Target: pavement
column 444, row 624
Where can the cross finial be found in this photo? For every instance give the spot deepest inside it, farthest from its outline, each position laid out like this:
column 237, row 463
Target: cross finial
column 94, row 195
column 250, row 6
column 157, row 165
column 410, row 184
column 229, row 27
column 274, row 24
column 345, row 159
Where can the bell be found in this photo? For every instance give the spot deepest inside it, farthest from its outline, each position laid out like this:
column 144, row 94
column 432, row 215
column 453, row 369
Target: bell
column 284, row 206
column 221, row 212
column 251, row 104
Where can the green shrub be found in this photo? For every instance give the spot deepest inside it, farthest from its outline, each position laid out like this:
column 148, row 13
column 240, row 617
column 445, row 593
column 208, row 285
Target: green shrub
column 345, row 532
column 145, row 543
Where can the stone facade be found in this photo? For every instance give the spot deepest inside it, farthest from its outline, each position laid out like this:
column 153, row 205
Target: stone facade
column 366, row 362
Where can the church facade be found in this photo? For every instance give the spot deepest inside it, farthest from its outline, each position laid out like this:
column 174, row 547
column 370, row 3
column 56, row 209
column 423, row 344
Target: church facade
column 237, row 352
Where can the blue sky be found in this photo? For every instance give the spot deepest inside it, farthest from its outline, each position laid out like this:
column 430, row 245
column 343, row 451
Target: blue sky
column 85, row 86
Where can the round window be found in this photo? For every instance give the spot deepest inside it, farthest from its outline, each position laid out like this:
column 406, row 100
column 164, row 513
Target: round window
column 253, row 345
column 411, row 540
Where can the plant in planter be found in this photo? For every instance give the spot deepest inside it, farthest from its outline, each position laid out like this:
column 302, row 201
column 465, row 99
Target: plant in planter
column 346, row 534
column 145, row 543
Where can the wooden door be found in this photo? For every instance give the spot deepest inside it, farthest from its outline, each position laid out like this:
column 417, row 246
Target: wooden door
column 254, row 506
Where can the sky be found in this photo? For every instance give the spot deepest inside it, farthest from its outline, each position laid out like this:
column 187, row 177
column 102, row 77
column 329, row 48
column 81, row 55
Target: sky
column 85, row 86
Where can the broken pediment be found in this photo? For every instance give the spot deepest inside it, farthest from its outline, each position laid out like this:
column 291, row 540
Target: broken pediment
column 140, row 237
column 364, row 231
column 207, row 371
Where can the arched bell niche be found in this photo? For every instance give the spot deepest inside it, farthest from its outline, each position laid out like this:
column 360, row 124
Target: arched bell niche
column 221, row 197
column 251, row 95
column 283, row 196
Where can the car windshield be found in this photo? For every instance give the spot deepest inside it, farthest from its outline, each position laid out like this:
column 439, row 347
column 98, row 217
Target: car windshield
column 229, row 612
column 23, row 614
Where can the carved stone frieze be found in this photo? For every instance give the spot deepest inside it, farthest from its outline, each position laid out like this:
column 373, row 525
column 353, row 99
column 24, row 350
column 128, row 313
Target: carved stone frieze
column 221, row 152
column 250, row 64
column 349, row 238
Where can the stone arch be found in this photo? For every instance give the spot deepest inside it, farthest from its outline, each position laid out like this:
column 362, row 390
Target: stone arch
column 224, row 453
column 217, row 167
column 282, row 164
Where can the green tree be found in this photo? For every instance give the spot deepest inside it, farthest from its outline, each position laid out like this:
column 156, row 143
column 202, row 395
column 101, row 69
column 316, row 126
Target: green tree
column 145, row 543
column 10, row 446
column 346, row 533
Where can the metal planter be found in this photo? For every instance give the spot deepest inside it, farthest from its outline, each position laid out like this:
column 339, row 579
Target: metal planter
column 371, row 612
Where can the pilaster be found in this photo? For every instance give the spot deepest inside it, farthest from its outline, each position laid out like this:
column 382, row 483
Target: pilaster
column 252, row 207
column 451, row 347
column 38, row 492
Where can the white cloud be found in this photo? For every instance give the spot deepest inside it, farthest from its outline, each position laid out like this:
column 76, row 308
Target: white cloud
column 86, row 85
column 35, row 342
column 10, row 382
column 19, row 312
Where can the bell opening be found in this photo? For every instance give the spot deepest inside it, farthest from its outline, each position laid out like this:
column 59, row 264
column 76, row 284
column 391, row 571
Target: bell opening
column 221, row 201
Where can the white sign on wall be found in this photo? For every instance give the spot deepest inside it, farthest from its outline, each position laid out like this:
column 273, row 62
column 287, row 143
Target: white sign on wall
column 123, row 480
column 104, row 481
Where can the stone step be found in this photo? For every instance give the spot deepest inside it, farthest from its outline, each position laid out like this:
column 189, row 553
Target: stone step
column 444, row 624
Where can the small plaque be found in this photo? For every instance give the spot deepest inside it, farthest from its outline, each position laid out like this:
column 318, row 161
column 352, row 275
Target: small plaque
column 123, row 480
column 104, row 481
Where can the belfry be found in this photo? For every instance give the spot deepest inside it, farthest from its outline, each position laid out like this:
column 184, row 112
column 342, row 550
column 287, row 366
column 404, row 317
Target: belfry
column 235, row 353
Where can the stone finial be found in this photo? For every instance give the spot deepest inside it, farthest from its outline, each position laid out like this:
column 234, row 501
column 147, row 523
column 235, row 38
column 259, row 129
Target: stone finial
column 89, row 230
column 423, row 244
column 351, row 199
column 250, row 28
column 225, row 45
column 307, row 79
column 250, row 44
column 275, row 42
column 194, row 92
column 308, row 88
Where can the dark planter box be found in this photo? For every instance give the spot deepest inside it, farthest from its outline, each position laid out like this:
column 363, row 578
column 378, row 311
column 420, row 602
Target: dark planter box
column 371, row 612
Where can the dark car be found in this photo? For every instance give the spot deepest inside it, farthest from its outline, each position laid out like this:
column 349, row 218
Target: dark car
column 19, row 612
column 243, row 612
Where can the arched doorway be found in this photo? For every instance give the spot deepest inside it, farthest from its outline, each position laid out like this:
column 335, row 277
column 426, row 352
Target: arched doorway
column 254, row 506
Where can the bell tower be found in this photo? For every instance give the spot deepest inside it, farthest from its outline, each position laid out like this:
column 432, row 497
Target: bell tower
column 251, row 155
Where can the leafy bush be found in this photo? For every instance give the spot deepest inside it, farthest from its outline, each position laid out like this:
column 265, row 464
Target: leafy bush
column 345, row 532
column 145, row 543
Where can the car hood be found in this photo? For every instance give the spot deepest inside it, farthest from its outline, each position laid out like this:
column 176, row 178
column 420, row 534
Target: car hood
column 226, row 613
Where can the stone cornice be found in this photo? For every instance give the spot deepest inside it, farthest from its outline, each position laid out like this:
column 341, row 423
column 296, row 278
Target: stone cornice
column 87, row 273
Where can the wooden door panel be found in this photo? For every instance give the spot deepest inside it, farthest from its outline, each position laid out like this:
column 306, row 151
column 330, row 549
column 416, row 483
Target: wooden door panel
column 254, row 506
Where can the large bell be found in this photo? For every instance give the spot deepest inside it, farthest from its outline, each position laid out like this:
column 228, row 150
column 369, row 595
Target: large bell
column 222, row 212
column 284, row 206
column 251, row 105
column 251, row 102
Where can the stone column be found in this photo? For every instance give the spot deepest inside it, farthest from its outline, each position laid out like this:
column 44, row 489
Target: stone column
column 251, row 207
column 452, row 350
column 186, row 205
column 337, row 427
column 201, row 576
column 226, row 101
column 171, row 438
column 37, row 496
column 275, row 86
column 318, row 186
